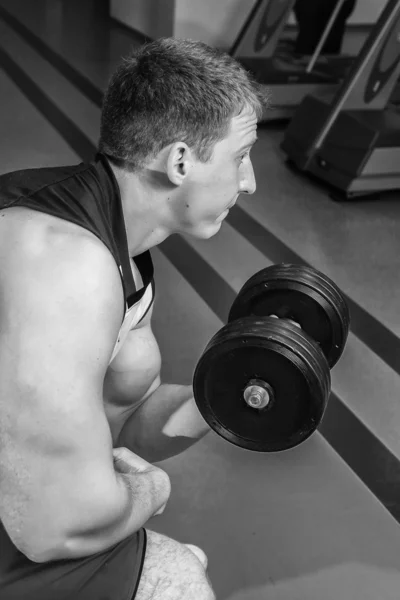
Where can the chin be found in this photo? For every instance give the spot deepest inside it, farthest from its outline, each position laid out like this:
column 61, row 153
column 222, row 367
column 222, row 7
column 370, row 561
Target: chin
column 206, row 233
column 203, row 231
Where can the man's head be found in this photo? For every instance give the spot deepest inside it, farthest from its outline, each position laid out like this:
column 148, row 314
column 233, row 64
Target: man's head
column 178, row 121
column 168, row 91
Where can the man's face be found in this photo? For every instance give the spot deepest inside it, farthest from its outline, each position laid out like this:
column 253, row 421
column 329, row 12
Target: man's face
column 213, row 187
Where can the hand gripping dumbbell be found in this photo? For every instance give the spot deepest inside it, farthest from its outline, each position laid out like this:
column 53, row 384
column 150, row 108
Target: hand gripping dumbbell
column 263, row 381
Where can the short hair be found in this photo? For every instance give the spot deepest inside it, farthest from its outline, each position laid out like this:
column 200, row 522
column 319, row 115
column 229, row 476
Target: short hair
column 172, row 90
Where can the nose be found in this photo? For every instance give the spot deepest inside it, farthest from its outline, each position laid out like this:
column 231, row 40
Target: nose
column 247, row 183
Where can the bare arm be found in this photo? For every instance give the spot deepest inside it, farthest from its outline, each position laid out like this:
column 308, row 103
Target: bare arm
column 60, row 496
column 168, row 421
column 165, row 425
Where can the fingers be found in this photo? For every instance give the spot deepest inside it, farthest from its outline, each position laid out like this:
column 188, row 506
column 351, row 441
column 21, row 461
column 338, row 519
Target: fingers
column 199, row 553
column 132, row 466
column 160, row 510
column 126, row 461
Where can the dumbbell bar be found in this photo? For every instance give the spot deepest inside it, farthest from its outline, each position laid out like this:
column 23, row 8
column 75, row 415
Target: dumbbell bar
column 263, row 381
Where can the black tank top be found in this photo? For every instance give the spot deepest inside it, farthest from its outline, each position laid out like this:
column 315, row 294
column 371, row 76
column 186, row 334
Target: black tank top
column 87, row 195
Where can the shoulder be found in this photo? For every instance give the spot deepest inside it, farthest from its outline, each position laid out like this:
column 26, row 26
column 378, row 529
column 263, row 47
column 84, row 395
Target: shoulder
column 40, row 252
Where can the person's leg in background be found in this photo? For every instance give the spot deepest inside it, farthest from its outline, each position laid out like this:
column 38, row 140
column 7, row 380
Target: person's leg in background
column 310, row 20
column 312, row 16
column 334, row 41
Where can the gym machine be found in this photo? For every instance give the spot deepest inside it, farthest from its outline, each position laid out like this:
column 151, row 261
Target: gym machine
column 285, row 79
column 351, row 139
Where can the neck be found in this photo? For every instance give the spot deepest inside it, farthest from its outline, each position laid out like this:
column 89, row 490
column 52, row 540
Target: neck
column 145, row 207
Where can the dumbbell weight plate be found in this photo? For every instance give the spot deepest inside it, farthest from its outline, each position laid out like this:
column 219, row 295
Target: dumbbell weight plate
column 277, row 353
column 303, row 295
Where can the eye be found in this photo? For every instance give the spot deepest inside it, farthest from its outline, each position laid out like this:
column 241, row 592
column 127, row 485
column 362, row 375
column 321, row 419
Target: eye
column 243, row 156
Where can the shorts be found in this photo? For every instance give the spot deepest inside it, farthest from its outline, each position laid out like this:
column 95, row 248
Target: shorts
column 110, row 575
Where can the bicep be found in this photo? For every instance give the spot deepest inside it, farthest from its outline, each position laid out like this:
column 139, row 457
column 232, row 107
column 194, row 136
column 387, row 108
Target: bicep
column 136, row 368
column 53, row 355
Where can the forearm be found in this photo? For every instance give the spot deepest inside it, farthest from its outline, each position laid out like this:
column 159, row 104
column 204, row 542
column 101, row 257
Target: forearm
column 138, row 501
column 118, row 514
column 166, row 424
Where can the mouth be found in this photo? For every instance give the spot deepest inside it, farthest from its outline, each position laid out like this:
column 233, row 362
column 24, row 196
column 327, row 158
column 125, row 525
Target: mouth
column 227, row 209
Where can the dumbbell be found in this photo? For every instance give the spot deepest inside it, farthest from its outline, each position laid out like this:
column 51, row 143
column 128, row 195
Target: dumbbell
column 263, row 381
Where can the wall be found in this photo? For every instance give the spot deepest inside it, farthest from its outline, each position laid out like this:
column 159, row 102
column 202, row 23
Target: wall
column 154, row 18
column 216, row 22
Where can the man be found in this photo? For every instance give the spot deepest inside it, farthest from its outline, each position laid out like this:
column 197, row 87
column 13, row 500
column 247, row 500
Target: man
column 83, row 414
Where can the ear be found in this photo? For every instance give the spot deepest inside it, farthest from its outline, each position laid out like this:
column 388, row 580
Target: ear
column 179, row 162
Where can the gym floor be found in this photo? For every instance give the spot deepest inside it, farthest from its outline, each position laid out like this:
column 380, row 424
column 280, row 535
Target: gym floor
column 318, row 521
